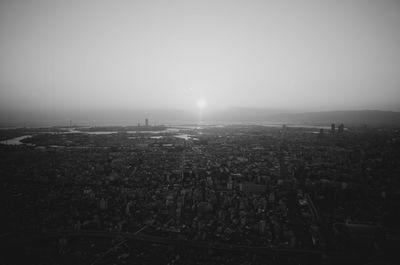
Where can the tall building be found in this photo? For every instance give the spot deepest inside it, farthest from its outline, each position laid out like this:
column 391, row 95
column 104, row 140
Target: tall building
column 332, row 128
column 341, row 128
column 146, row 121
column 262, row 227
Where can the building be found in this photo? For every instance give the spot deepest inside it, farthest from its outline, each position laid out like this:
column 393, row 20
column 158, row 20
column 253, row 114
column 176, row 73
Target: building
column 249, row 187
column 146, row 121
column 332, row 128
column 262, row 227
column 341, row 128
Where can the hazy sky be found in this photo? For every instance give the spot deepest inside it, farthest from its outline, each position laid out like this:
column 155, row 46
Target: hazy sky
column 169, row 54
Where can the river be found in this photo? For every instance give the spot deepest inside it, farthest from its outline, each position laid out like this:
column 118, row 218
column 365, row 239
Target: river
column 16, row 140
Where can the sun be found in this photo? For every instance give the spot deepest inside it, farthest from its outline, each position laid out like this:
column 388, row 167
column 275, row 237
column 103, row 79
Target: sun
column 201, row 103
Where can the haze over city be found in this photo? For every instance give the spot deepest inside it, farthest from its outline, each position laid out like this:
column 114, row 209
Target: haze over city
column 203, row 132
column 59, row 57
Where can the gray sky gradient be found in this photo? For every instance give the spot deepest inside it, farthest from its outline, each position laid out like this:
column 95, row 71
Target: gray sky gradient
column 307, row 55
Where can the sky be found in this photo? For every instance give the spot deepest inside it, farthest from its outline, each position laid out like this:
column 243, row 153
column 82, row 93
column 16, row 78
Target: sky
column 116, row 55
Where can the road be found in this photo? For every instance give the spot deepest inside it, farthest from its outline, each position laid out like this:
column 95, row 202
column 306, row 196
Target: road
column 286, row 252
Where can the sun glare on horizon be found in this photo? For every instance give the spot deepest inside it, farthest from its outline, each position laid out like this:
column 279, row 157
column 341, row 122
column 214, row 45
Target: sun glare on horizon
column 201, row 104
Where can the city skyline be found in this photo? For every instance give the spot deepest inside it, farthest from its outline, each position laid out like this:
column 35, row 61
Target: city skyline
column 200, row 132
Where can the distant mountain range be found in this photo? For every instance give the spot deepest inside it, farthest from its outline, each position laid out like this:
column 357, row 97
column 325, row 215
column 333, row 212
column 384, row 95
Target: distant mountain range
column 362, row 117
column 230, row 115
column 353, row 117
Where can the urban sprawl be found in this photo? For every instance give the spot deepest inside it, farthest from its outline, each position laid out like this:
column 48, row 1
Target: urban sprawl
column 237, row 194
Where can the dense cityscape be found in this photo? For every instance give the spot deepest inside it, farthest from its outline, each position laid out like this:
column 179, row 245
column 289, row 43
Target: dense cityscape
column 207, row 132
column 234, row 194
